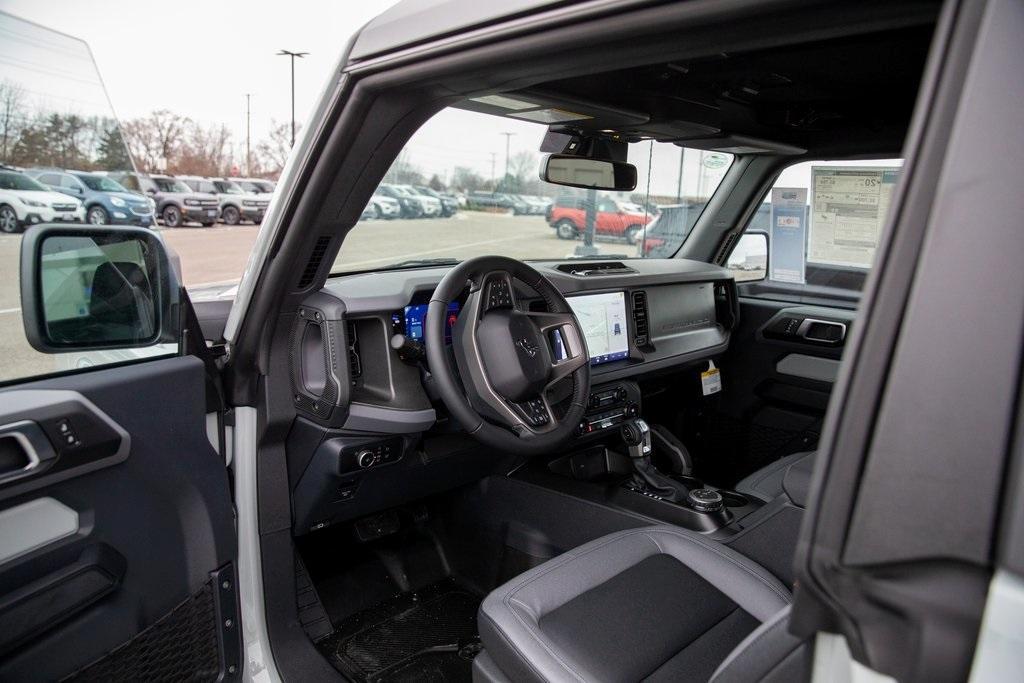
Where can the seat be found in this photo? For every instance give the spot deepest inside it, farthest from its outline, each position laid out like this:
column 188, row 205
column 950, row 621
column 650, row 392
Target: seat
column 766, row 483
column 656, row 603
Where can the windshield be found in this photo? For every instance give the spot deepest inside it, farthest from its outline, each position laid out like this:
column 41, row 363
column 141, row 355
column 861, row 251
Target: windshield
column 99, row 183
column 171, row 185
column 489, row 164
column 16, row 181
column 228, row 188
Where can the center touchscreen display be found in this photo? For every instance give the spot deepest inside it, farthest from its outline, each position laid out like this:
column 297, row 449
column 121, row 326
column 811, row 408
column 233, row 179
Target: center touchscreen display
column 603, row 321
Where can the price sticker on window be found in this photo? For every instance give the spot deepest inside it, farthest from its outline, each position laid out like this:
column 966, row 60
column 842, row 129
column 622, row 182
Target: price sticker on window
column 711, row 380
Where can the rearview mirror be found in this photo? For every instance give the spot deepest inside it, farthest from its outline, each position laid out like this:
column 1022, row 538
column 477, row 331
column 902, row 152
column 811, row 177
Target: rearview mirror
column 95, row 288
column 598, row 174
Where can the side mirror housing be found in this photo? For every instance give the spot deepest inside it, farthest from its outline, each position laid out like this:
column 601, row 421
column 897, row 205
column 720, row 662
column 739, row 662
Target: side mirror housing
column 597, row 174
column 94, row 288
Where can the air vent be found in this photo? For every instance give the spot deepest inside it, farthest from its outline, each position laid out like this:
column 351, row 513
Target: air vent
column 640, row 318
column 355, row 365
column 595, row 269
column 726, row 248
column 315, row 258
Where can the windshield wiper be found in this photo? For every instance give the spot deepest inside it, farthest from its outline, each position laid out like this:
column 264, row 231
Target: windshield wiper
column 414, row 263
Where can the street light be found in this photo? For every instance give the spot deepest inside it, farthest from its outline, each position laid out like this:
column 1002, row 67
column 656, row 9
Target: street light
column 293, row 55
column 508, row 140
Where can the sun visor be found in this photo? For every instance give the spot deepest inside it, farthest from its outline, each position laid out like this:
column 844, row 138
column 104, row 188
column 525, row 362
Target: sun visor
column 741, row 144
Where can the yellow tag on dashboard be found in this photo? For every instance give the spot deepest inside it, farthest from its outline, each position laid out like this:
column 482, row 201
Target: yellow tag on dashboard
column 710, row 380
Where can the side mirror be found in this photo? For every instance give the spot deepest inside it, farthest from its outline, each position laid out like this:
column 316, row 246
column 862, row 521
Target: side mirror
column 749, row 258
column 151, row 190
column 573, row 171
column 93, row 288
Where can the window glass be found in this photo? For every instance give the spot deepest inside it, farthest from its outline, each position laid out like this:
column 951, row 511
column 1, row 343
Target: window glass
column 487, row 198
column 823, row 220
column 100, row 183
column 130, row 182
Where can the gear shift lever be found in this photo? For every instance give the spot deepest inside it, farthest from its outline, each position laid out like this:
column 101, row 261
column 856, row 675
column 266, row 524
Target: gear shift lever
column 637, row 436
column 647, row 479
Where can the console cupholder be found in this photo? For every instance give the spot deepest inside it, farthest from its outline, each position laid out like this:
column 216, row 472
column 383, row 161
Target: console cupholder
column 733, row 499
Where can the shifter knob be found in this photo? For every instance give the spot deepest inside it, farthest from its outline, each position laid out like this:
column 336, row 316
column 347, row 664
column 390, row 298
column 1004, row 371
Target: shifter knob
column 637, row 436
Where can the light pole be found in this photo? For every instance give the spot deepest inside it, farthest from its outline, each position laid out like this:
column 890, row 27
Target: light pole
column 248, row 156
column 508, row 140
column 293, row 55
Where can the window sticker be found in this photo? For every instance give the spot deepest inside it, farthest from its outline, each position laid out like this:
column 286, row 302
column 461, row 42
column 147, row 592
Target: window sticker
column 849, row 206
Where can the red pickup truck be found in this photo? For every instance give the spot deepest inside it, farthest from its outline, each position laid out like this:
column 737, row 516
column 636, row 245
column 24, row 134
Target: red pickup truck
column 614, row 218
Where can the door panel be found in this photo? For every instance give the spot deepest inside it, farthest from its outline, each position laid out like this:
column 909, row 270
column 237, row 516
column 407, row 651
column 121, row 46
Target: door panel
column 114, row 543
column 777, row 375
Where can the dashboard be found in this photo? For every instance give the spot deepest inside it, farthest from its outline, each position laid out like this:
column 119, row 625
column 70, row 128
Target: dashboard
column 361, row 383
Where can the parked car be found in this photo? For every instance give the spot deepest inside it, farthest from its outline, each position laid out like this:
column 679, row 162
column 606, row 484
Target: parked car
column 449, row 204
column 519, row 206
column 479, row 199
column 541, row 204
column 414, row 205
column 25, row 202
column 665, row 233
column 382, row 206
column 236, row 204
column 104, row 199
column 176, row 202
column 614, row 219
column 255, row 185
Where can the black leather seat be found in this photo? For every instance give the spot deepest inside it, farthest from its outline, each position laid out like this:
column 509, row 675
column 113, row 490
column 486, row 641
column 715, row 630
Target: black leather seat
column 656, row 603
column 767, row 482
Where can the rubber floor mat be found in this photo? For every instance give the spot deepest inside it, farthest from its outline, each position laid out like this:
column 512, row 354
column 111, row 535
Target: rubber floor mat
column 427, row 635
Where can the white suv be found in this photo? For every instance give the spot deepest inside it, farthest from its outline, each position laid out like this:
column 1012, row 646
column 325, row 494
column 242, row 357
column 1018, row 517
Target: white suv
column 24, row 202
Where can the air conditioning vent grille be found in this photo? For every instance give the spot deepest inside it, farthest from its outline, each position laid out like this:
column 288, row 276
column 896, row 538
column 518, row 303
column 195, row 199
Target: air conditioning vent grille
column 355, row 364
column 316, row 257
column 726, row 248
column 640, row 322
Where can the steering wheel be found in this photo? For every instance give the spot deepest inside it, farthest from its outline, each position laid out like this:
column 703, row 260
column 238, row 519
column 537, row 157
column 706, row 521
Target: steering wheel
column 508, row 359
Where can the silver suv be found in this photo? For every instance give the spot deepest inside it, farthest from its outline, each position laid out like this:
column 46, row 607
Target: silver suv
column 236, row 204
column 176, row 202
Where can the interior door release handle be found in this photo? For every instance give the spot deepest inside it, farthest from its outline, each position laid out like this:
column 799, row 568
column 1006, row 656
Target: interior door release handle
column 24, row 450
column 827, row 332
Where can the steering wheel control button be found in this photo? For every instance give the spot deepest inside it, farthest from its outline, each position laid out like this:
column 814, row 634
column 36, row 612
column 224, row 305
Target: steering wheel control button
column 705, row 500
column 536, row 412
column 499, row 294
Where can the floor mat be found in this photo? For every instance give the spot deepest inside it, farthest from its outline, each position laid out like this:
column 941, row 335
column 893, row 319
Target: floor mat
column 426, row 635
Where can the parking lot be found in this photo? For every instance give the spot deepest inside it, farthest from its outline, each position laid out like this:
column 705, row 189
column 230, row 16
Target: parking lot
column 218, row 255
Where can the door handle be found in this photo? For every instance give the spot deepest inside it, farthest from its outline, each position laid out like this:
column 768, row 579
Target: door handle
column 24, row 450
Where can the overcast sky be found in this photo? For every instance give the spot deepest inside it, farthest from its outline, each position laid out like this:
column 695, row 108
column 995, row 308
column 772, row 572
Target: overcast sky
column 199, row 58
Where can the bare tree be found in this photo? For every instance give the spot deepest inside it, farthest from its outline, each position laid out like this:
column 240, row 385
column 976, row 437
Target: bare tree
column 155, row 140
column 12, row 116
column 206, row 151
column 272, row 153
column 466, row 179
